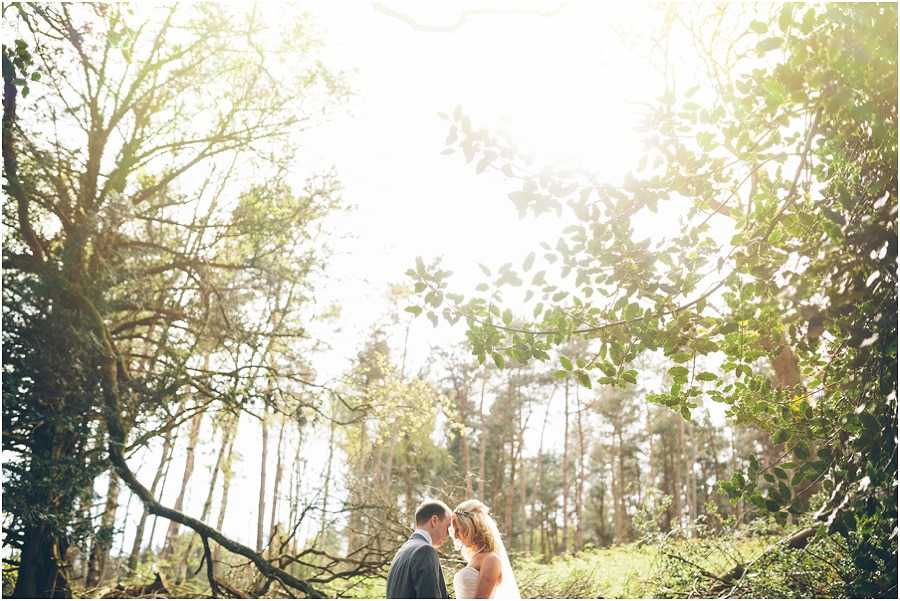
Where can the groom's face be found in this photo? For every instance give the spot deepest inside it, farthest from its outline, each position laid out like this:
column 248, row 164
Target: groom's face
column 440, row 529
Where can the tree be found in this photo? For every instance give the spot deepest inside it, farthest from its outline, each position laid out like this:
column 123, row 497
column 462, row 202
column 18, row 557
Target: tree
column 780, row 169
column 149, row 220
column 393, row 461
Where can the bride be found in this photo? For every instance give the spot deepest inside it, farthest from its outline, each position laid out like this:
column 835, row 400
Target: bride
column 488, row 573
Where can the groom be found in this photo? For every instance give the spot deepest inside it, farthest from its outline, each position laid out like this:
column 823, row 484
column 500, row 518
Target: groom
column 415, row 572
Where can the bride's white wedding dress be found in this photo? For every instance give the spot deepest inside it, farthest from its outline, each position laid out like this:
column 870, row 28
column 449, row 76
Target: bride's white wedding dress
column 465, row 580
column 464, row 583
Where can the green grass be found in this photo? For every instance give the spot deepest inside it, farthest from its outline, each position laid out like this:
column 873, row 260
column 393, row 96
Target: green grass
column 618, row 572
column 677, row 567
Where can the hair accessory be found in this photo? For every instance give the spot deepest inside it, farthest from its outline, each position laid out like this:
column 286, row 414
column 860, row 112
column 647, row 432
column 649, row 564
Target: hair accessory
column 465, row 514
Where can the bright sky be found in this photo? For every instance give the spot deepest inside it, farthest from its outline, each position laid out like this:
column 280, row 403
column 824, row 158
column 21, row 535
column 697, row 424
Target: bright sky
column 557, row 81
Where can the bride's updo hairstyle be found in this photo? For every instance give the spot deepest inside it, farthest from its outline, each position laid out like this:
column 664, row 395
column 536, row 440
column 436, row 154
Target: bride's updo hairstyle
column 471, row 521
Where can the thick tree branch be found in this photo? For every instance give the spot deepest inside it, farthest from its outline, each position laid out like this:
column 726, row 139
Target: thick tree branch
column 11, row 163
column 117, row 437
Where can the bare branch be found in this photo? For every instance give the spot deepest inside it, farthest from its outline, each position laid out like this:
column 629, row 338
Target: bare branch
column 464, row 16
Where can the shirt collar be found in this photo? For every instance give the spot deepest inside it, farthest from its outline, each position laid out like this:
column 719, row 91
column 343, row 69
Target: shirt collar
column 424, row 533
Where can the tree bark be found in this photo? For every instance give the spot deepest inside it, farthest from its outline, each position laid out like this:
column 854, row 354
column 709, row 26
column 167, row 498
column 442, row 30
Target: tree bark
column 135, row 556
column 172, row 532
column 652, row 474
column 261, row 503
column 462, row 399
column 565, row 471
column 326, row 486
column 102, row 542
column 181, row 572
column 276, row 485
column 226, row 486
column 692, row 479
column 615, row 490
column 536, row 510
column 482, row 449
column 523, row 494
column 622, row 534
column 579, row 489
column 678, row 481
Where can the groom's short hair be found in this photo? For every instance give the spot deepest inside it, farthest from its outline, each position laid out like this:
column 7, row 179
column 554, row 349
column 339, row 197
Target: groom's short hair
column 431, row 508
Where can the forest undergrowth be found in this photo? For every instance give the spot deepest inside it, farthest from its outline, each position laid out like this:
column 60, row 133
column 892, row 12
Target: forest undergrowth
column 752, row 561
column 759, row 560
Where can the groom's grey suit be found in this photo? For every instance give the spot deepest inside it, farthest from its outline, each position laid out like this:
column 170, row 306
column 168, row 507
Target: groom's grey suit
column 415, row 572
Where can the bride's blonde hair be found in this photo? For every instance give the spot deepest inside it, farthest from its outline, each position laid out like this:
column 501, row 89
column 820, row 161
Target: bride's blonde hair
column 471, row 520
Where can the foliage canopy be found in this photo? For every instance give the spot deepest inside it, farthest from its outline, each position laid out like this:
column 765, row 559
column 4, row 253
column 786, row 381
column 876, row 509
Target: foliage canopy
column 157, row 256
column 775, row 295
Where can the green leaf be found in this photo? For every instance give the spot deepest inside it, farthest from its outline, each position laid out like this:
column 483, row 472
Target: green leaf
column 583, row 379
column 775, row 89
column 728, row 327
column 414, row 310
column 565, row 363
column 781, row 436
column 759, row 27
column 786, row 18
column 499, row 361
column 678, row 371
column 769, row 44
column 869, row 422
column 784, row 490
column 529, row 262
column 801, row 450
column 705, row 376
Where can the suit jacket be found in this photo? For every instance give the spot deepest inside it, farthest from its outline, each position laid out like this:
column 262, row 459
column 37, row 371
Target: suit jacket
column 415, row 572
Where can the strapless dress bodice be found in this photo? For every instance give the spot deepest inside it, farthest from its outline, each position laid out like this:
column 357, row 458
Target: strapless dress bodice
column 464, row 583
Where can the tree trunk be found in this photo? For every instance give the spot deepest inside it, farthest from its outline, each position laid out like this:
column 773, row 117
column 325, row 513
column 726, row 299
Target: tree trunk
column 389, row 463
column 135, row 556
column 462, row 399
column 692, row 479
column 120, row 554
column 623, row 522
column 103, row 540
column 579, row 488
column 181, row 572
column 482, row 451
column 565, row 471
column 511, row 487
column 615, row 490
column 652, row 474
column 539, row 482
column 678, row 481
column 172, row 532
column 523, row 494
column 276, row 485
column 42, row 573
column 261, row 503
column 326, row 486
column 226, row 485
column 80, row 562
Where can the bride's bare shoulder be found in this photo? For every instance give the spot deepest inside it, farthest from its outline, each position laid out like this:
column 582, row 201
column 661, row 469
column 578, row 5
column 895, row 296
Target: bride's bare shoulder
column 490, row 563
